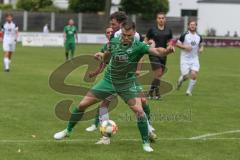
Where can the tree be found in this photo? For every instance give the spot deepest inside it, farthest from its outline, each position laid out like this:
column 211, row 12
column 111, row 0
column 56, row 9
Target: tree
column 33, row 5
column 147, row 8
column 91, row 6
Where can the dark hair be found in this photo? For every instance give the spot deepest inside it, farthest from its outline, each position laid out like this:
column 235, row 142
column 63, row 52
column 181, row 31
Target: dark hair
column 129, row 24
column 191, row 20
column 108, row 26
column 160, row 13
column 120, row 16
column 9, row 14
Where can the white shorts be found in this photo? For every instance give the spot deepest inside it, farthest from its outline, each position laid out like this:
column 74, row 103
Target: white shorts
column 188, row 66
column 9, row 46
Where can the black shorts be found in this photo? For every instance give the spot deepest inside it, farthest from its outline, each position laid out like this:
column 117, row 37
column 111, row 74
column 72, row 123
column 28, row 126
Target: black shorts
column 158, row 62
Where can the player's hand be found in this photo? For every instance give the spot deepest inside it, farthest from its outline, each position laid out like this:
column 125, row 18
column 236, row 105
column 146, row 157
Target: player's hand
column 152, row 43
column 98, row 56
column 170, row 49
column 188, row 48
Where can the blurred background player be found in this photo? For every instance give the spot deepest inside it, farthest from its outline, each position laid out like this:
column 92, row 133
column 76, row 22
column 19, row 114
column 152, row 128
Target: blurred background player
column 10, row 35
column 70, row 39
column 160, row 35
column 191, row 45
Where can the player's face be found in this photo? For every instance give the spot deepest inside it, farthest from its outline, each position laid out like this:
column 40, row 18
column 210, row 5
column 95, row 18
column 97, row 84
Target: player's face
column 127, row 36
column 161, row 19
column 192, row 26
column 9, row 18
column 109, row 32
column 115, row 25
column 71, row 22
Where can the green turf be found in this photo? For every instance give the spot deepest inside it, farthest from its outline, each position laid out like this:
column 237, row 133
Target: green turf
column 28, row 121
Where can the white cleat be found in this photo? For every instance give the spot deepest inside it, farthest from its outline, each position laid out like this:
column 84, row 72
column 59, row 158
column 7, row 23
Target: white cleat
column 147, row 147
column 61, row 135
column 188, row 93
column 104, row 140
column 91, row 128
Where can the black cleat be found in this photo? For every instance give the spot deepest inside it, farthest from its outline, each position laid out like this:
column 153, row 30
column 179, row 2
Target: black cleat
column 7, row 70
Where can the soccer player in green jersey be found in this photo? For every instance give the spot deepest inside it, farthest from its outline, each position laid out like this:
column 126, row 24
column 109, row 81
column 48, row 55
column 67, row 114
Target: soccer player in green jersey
column 70, row 39
column 120, row 79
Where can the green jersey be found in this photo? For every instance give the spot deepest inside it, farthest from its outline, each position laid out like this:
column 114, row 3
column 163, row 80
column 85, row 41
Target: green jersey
column 124, row 60
column 70, row 33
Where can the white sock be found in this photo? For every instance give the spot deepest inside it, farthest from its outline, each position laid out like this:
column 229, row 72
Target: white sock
column 190, row 85
column 103, row 114
column 180, row 78
column 6, row 63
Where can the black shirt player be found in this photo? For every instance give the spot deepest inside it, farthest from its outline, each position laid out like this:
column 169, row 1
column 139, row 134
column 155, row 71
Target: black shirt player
column 161, row 35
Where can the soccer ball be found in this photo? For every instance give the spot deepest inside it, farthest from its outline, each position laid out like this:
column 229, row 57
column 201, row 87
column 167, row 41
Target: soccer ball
column 108, row 128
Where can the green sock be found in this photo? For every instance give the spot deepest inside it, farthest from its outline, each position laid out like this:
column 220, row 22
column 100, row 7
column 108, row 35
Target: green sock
column 146, row 109
column 74, row 119
column 72, row 54
column 66, row 54
column 143, row 128
column 96, row 121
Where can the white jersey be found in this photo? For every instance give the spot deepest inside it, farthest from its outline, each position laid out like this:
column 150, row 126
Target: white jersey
column 119, row 32
column 10, row 32
column 194, row 40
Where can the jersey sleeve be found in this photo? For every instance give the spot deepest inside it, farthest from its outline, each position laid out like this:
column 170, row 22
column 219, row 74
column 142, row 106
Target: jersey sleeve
column 201, row 39
column 144, row 48
column 170, row 34
column 65, row 29
column 2, row 28
column 182, row 37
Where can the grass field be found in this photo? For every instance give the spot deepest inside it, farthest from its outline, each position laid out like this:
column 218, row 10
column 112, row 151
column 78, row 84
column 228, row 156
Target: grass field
column 28, row 121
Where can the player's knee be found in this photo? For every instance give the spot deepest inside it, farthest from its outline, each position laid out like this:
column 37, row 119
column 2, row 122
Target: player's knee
column 194, row 75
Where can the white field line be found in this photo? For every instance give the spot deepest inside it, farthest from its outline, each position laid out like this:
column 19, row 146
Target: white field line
column 93, row 141
column 209, row 136
column 214, row 134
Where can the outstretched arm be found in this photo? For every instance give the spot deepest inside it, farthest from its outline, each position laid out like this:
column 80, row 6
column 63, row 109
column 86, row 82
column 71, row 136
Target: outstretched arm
column 161, row 51
column 98, row 70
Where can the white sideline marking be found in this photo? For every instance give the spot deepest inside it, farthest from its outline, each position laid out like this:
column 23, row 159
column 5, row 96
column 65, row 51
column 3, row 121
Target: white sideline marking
column 88, row 140
column 214, row 134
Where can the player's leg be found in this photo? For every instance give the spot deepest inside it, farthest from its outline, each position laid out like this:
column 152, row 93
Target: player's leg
column 100, row 91
column 192, row 82
column 136, row 106
column 72, row 50
column 193, row 77
column 7, row 48
column 185, row 69
column 67, row 48
column 77, row 115
column 157, row 65
column 101, row 115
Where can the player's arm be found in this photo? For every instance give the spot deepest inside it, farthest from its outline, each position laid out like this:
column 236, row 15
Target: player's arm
column 201, row 46
column 17, row 33
column 180, row 43
column 98, row 70
column 161, row 51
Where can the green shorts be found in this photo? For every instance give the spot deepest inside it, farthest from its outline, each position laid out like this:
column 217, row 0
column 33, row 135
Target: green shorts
column 70, row 46
column 104, row 88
